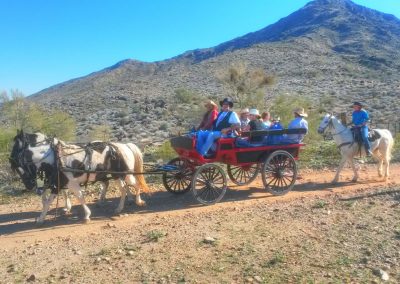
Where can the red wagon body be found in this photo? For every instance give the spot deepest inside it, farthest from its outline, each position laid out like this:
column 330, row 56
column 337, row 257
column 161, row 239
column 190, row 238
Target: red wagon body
column 207, row 179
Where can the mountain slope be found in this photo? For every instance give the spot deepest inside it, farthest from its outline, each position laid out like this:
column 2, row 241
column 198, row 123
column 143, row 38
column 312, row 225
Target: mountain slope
column 329, row 48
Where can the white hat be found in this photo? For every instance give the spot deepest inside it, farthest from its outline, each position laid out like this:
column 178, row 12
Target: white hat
column 254, row 111
column 245, row 110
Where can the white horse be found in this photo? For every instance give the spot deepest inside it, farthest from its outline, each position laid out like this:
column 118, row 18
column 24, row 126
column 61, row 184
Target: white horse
column 381, row 148
column 98, row 161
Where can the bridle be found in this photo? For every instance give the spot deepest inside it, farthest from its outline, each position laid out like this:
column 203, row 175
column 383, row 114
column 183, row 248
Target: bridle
column 329, row 125
column 24, row 167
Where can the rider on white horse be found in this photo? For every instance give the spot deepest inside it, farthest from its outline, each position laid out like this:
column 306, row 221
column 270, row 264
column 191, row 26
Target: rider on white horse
column 360, row 120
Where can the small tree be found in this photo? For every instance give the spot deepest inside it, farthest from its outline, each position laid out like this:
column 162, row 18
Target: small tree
column 100, row 132
column 15, row 108
column 247, row 86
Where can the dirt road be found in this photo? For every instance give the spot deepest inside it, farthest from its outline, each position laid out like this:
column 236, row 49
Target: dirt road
column 174, row 239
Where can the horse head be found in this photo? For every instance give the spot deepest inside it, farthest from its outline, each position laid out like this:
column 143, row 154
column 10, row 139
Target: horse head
column 21, row 157
column 326, row 123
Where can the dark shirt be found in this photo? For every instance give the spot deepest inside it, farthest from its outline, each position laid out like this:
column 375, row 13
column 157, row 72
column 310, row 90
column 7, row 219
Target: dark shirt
column 256, row 125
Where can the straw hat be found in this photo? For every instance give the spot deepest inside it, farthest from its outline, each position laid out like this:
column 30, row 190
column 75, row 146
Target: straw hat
column 300, row 112
column 245, row 110
column 254, row 111
column 210, row 103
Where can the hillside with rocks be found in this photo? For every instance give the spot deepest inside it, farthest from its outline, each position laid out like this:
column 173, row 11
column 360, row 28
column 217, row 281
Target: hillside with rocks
column 330, row 50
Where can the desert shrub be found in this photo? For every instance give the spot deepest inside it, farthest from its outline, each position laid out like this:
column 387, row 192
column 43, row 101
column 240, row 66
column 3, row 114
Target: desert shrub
column 163, row 152
column 122, row 113
column 246, row 85
column 396, row 149
column 100, row 132
column 163, row 126
column 319, row 155
column 184, row 96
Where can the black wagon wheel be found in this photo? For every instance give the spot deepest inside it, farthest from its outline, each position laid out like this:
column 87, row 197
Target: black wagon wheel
column 242, row 175
column 178, row 181
column 279, row 172
column 209, row 184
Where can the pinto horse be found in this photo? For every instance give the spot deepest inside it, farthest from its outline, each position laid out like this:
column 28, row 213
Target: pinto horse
column 343, row 136
column 67, row 166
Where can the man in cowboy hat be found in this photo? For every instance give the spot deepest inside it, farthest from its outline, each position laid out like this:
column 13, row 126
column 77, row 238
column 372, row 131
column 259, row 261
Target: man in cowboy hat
column 227, row 122
column 360, row 120
column 298, row 122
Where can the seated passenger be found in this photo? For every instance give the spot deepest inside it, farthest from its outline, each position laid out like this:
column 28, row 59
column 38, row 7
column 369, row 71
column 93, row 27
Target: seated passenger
column 266, row 119
column 226, row 123
column 296, row 123
column 255, row 124
column 244, row 119
column 209, row 117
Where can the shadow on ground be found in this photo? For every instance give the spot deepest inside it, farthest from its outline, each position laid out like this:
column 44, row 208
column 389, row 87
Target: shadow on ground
column 160, row 201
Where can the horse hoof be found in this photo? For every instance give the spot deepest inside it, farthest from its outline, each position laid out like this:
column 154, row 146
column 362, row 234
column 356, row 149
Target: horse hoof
column 39, row 223
column 354, row 180
column 117, row 211
column 86, row 221
column 141, row 204
column 334, row 182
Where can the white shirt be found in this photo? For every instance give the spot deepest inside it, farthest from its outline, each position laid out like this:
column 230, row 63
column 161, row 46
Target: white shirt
column 233, row 119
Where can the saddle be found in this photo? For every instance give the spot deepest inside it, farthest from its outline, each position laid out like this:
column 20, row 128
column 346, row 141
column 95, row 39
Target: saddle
column 372, row 135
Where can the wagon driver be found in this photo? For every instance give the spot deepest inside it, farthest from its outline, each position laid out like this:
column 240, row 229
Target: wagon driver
column 227, row 122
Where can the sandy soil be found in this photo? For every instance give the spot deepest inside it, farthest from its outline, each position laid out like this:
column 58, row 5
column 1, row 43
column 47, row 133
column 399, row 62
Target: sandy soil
column 316, row 233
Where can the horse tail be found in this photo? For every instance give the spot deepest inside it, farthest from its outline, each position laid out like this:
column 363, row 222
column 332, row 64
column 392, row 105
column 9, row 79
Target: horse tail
column 139, row 167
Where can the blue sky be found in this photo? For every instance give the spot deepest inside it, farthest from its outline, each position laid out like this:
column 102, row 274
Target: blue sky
column 45, row 42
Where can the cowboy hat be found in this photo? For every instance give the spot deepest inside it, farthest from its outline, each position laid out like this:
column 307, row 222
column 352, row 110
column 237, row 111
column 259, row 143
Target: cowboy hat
column 300, row 112
column 226, row 101
column 357, row 104
column 245, row 110
column 254, row 111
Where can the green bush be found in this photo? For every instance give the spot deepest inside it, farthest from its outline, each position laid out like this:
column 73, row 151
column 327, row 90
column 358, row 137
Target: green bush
column 184, row 96
column 164, row 152
column 396, row 149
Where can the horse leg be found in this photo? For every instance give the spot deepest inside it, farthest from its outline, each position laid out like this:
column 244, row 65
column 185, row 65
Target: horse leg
column 376, row 154
column 67, row 207
column 122, row 189
column 386, row 163
column 353, row 166
column 76, row 189
column 131, row 181
column 129, row 195
column 341, row 165
column 46, row 205
column 103, row 190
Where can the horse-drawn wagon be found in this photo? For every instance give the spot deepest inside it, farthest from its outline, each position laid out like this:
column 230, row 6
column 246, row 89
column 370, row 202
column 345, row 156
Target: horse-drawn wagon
column 68, row 166
column 207, row 179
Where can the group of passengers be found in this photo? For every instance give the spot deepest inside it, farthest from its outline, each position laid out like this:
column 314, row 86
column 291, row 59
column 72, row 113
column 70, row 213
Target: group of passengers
column 227, row 123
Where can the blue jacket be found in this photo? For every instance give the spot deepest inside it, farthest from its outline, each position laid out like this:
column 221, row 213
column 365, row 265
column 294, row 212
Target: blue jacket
column 360, row 117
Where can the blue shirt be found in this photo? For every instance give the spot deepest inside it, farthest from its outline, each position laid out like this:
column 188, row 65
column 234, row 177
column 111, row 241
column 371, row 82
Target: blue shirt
column 360, row 117
column 298, row 122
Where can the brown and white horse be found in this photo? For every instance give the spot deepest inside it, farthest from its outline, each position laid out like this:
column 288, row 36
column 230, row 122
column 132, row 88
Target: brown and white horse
column 67, row 166
column 381, row 147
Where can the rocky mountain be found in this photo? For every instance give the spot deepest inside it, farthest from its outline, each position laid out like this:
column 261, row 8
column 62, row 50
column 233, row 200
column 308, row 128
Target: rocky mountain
column 331, row 49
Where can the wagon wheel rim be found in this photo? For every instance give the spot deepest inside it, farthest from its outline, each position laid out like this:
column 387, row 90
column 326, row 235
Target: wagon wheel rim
column 243, row 175
column 209, row 184
column 178, row 181
column 279, row 172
